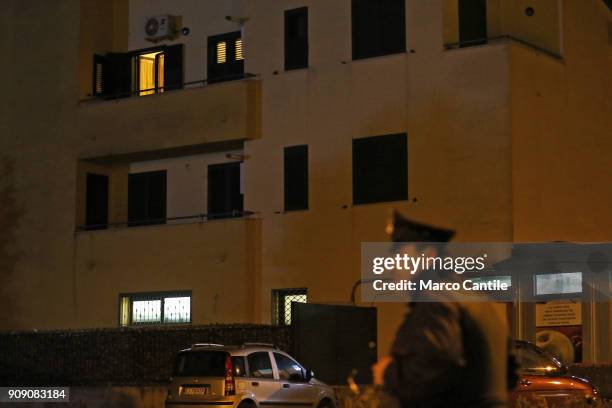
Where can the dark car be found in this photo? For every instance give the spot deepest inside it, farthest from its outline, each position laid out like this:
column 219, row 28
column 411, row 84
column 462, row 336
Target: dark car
column 542, row 376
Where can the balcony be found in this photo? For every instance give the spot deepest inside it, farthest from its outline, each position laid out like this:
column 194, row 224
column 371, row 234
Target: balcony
column 190, row 256
column 195, row 115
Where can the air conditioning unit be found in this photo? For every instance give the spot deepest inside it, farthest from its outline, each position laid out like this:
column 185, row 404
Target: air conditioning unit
column 159, row 28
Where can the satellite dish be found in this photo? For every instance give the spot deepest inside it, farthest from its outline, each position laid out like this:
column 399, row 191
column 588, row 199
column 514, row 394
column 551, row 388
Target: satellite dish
column 152, row 26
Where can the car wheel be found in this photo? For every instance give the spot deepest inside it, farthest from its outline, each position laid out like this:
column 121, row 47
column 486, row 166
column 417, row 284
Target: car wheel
column 326, row 404
column 247, row 404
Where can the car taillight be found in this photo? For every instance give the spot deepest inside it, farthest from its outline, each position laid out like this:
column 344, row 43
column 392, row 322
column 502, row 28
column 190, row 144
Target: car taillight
column 230, row 384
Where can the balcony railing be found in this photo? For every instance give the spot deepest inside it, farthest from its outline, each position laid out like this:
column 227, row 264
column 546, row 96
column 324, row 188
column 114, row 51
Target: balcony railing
column 502, row 38
column 195, row 218
column 161, row 90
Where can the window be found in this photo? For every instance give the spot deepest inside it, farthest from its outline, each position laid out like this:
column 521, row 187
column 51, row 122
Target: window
column 379, row 27
column 281, row 304
column 239, row 366
column 155, row 308
column 149, row 75
column 225, row 198
column 289, row 370
column 146, row 311
column 96, row 213
column 472, row 22
column 98, row 75
column 200, row 364
column 558, row 283
column 296, row 38
column 486, row 279
column 225, row 57
column 117, row 75
column 296, row 178
column 238, row 50
column 140, row 72
column 260, row 365
column 221, row 52
column 380, row 169
column 147, row 198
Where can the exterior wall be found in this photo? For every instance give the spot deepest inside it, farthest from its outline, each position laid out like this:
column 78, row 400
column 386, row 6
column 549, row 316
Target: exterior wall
column 211, row 259
column 203, row 18
column 36, row 137
column 103, row 29
column 561, row 121
column 542, row 29
column 187, row 181
column 453, row 105
column 507, row 18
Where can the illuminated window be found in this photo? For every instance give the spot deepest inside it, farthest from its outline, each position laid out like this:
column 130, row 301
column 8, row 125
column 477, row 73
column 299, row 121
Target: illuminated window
column 177, row 309
column 98, row 80
column 150, row 73
column 238, row 47
column 124, row 307
column 486, row 279
column 138, row 72
column 225, row 57
column 282, row 300
column 155, row 308
column 558, row 283
column 146, row 311
column 221, row 52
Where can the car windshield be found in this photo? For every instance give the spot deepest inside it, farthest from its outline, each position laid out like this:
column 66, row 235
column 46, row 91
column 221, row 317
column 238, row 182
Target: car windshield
column 534, row 361
column 200, row 364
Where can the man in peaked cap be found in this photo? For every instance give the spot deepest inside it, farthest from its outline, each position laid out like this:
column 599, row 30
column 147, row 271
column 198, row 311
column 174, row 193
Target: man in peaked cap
column 401, row 229
column 446, row 352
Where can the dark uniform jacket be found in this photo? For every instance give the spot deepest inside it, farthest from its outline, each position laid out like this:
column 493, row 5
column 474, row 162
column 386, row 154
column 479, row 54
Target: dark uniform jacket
column 450, row 354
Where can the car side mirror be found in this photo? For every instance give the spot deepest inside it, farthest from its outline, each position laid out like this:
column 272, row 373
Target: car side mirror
column 309, row 375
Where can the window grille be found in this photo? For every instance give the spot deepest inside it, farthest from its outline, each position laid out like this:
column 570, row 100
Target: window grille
column 281, row 304
column 239, row 55
column 221, row 52
column 155, row 308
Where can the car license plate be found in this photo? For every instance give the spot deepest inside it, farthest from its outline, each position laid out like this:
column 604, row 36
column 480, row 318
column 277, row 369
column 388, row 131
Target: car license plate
column 196, row 391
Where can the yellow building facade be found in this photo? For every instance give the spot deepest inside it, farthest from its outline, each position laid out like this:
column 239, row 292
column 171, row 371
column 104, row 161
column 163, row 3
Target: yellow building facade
column 508, row 140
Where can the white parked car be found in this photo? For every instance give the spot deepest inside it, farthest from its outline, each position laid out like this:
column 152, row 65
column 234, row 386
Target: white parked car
column 248, row 376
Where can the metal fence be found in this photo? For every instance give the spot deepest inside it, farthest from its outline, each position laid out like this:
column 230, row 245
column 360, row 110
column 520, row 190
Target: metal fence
column 195, row 218
column 128, row 356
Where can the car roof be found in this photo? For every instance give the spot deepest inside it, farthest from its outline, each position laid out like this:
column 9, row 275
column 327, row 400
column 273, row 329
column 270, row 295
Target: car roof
column 234, row 350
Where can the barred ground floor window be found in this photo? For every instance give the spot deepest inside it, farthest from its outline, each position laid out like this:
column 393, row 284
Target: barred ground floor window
column 281, row 304
column 155, row 308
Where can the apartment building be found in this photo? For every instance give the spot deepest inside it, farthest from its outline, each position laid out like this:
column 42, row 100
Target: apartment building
column 212, row 161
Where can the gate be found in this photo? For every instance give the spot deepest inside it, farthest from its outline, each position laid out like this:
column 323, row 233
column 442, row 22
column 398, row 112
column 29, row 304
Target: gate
column 335, row 340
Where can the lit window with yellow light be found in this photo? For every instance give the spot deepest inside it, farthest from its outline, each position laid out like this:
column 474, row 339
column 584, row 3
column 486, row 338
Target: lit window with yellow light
column 238, row 50
column 150, row 73
column 221, row 52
